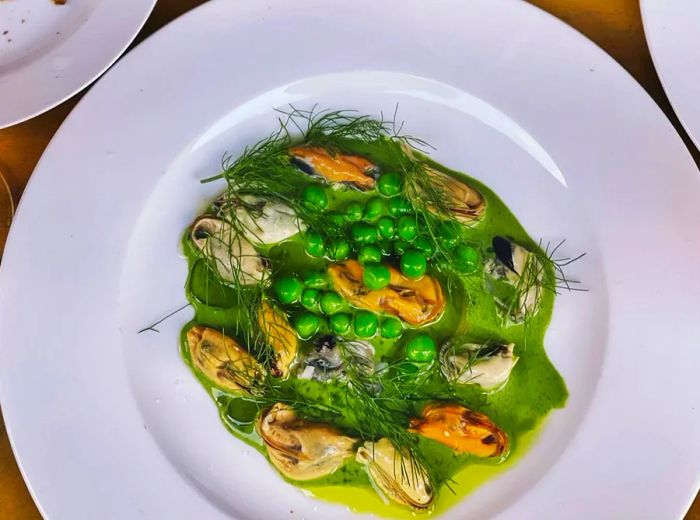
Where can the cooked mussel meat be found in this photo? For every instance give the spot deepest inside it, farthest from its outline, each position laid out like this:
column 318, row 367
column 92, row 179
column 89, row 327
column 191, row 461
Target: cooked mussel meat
column 335, row 167
column 464, row 202
column 414, row 301
column 261, row 220
column 523, row 270
column 222, row 360
column 462, row 429
column 232, row 256
column 397, row 476
column 280, row 335
column 300, row 449
column 327, row 360
column 487, row 365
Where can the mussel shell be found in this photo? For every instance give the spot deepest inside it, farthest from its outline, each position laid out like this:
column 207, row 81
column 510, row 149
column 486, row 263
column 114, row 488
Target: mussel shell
column 503, row 248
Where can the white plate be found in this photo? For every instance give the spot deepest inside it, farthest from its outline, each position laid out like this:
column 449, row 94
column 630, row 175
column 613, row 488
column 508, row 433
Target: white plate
column 108, row 423
column 49, row 52
column 671, row 29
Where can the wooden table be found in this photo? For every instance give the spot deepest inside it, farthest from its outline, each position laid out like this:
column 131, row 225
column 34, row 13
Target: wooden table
column 615, row 25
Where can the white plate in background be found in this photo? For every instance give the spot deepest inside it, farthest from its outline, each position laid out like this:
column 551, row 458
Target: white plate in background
column 48, row 52
column 108, row 423
column 671, row 29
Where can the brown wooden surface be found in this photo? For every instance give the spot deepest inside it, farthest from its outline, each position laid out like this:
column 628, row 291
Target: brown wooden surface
column 615, row 25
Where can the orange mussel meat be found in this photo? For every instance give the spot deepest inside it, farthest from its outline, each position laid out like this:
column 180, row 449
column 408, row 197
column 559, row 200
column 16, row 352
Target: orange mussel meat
column 462, row 429
column 336, row 167
column 414, row 301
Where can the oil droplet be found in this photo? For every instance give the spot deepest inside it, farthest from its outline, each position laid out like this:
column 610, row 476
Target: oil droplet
column 157, row 400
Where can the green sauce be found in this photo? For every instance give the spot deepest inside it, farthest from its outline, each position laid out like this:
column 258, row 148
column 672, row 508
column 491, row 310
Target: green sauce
column 533, row 390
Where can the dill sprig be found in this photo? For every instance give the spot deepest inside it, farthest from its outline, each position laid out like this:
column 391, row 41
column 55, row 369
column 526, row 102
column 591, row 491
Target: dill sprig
column 152, row 326
column 332, row 128
column 375, row 413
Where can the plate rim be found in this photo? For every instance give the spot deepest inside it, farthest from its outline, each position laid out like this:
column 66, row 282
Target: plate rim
column 40, row 167
column 40, row 103
column 692, row 128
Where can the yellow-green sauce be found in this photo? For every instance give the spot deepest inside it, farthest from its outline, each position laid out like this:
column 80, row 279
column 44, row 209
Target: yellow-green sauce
column 532, row 391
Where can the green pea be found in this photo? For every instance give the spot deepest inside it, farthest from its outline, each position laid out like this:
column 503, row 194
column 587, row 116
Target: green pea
column 413, row 263
column 467, row 258
column 421, row 348
column 315, row 280
column 340, row 323
column 331, row 303
column 314, row 197
column 288, row 289
column 401, row 246
column 376, row 276
column 365, row 324
column 314, row 244
column 374, row 208
column 386, row 227
column 449, row 233
column 391, row 328
column 339, row 250
column 363, row 233
column 425, row 245
column 353, row 211
column 389, row 184
column 399, row 206
column 307, row 324
column 407, row 227
column 310, row 299
column 368, row 254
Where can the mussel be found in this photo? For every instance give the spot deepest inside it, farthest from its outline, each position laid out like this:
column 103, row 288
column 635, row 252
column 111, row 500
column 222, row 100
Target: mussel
column 222, row 360
column 414, row 301
column 299, row 449
column 487, row 365
column 335, row 167
column 262, row 221
column 234, row 258
column 398, row 477
column 462, row 429
column 465, row 203
column 326, row 362
column 523, row 270
column 280, row 335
